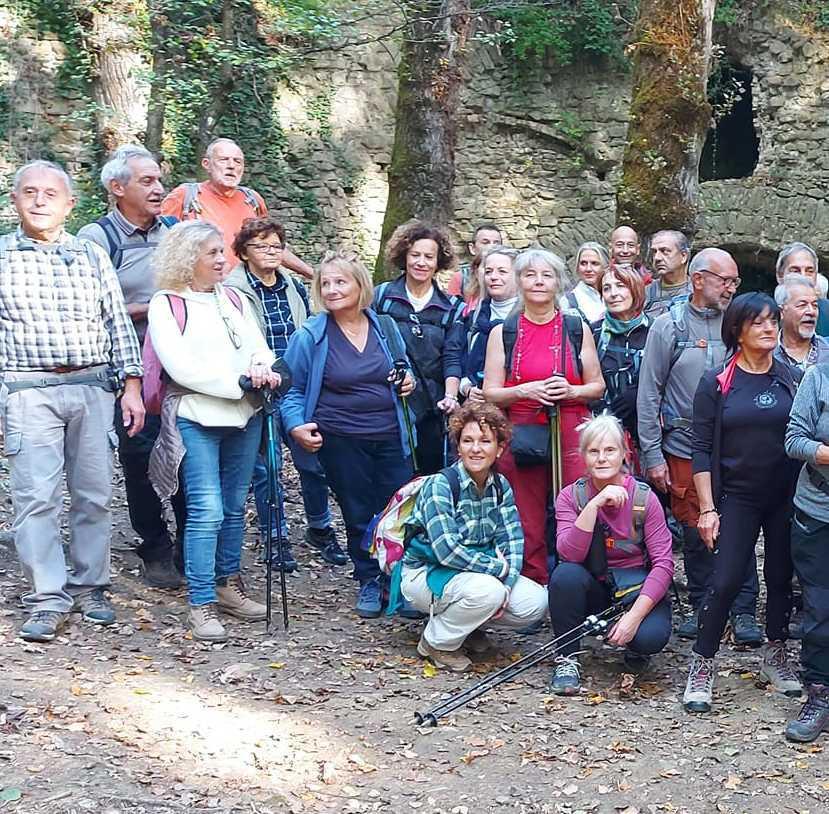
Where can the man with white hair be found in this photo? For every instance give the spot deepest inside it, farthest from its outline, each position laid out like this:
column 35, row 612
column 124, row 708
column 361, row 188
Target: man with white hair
column 799, row 346
column 800, row 258
column 66, row 344
column 129, row 234
column 222, row 201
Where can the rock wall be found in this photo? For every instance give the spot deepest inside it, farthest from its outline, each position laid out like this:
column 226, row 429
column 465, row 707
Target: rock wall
column 539, row 154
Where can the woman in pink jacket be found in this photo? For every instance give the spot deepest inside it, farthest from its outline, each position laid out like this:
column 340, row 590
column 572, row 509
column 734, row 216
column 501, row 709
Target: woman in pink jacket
column 626, row 521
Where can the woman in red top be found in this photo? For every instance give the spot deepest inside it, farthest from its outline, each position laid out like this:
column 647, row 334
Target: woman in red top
column 548, row 367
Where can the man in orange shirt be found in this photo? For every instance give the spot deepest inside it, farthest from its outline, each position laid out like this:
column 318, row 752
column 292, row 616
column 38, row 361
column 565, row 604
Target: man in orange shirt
column 223, row 202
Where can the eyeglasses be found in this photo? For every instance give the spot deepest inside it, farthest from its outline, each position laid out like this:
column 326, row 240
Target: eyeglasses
column 728, row 282
column 265, row 248
column 231, row 331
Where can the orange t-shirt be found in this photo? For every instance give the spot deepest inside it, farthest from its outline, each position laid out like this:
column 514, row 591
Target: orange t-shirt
column 227, row 212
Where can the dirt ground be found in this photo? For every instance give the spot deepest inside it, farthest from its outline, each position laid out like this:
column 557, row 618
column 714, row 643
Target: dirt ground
column 139, row 718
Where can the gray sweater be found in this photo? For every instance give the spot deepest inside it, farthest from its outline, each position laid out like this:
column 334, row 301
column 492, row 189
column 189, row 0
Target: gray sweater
column 808, row 429
column 665, row 400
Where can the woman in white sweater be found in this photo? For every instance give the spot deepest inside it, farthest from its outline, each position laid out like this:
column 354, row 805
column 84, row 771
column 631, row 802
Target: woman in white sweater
column 206, row 337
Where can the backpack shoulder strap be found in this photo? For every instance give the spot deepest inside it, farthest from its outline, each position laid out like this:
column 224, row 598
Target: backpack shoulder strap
column 388, row 329
column 381, row 298
column 574, row 327
column 168, row 220
column 640, row 505
column 179, row 308
column 113, row 239
column 451, row 474
column 509, row 336
column 681, row 331
column 233, row 296
column 252, row 201
column 191, row 199
column 453, row 312
column 580, row 492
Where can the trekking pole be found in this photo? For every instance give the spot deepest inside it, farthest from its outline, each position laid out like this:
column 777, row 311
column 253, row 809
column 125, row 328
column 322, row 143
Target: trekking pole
column 397, row 375
column 445, row 441
column 593, row 624
column 555, row 439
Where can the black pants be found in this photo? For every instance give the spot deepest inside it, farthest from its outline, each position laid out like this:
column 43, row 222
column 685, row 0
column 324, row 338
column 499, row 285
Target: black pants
column 430, row 444
column 574, row 593
column 810, row 552
column 699, row 568
column 146, row 513
column 741, row 518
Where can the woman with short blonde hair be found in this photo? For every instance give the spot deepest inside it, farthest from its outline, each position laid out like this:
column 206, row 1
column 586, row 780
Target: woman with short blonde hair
column 345, row 407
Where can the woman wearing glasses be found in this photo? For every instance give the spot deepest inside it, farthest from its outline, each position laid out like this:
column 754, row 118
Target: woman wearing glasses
column 281, row 306
column 430, row 322
column 206, row 336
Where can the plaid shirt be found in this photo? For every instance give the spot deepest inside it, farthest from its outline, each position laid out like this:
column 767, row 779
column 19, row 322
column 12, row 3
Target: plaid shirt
column 463, row 535
column 276, row 310
column 61, row 306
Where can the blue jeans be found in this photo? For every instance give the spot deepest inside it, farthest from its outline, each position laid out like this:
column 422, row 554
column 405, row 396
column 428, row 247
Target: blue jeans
column 215, row 474
column 363, row 475
column 312, row 483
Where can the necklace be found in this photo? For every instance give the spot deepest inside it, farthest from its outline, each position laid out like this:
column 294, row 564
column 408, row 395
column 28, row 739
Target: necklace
column 554, row 347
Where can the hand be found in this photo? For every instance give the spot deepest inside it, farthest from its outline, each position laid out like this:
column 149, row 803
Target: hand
column 448, row 404
column 624, row 630
column 537, row 391
column 659, row 477
column 611, row 495
column 408, row 385
column 708, row 526
column 476, row 395
column 822, row 455
column 559, row 389
column 307, row 436
column 259, row 374
column 132, row 407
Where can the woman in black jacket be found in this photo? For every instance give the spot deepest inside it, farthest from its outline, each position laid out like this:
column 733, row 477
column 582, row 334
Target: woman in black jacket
column 745, row 482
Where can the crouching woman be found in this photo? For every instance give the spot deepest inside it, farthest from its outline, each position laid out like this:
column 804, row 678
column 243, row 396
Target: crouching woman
column 463, row 561
column 622, row 518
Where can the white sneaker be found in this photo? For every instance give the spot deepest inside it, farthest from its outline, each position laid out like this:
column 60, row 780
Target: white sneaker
column 205, row 625
column 700, row 685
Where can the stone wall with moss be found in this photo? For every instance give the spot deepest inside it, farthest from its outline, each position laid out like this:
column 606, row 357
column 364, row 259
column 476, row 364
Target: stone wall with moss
column 539, row 151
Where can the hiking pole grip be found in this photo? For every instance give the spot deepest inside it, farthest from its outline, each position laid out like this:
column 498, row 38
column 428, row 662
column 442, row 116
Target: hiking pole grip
column 286, row 380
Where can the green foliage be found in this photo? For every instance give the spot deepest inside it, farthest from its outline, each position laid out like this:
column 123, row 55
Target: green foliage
column 564, row 32
column 727, row 12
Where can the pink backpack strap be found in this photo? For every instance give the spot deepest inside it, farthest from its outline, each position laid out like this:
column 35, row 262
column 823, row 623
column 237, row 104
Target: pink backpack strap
column 233, row 296
column 179, row 308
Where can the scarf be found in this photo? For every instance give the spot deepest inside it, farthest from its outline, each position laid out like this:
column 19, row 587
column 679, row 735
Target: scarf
column 624, row 326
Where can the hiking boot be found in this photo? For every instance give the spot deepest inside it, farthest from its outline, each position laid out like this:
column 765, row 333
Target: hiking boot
column 232, row 599
column 205, row 625
column 370, row 599
column 325, row 543
column 452, row 660
column 286, row 563
column 813, row 717
column 636, row 663
column 160, row 574
column 42, row 626
column 688, row 628
column 409, row 611
column 531, row 629
column 566, row 677
column 746, row 630
column 478, row 642
column 777, row 671
column 95, row 607
column 700, row 685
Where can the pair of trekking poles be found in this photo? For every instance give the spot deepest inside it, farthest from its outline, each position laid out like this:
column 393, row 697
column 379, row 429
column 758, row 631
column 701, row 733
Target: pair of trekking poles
column 270, row 406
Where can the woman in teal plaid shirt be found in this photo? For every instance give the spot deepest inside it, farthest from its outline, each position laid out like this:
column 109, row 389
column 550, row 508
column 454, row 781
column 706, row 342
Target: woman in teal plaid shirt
column 463, row 565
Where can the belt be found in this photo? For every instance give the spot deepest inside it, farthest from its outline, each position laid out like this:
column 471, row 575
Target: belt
column 93, row 375
column 818, row 481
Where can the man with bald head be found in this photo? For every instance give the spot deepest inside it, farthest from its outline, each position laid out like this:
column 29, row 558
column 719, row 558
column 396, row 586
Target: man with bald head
column 67, row 345
column 625, row 250
column 223, row 201
column 682, row 344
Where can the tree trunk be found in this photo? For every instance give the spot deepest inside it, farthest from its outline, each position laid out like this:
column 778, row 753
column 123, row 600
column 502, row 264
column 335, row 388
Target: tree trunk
column 218, row 104
column 430, row 78
column 120, row 95
column 669, row 116
column 158, row 83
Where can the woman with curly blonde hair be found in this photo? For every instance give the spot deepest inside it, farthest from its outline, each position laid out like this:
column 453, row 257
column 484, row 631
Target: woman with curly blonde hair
column 206, row 337
column 463, row 562
column 431, row 325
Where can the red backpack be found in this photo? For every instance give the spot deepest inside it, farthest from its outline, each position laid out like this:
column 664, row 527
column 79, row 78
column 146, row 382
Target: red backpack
column 154, row 383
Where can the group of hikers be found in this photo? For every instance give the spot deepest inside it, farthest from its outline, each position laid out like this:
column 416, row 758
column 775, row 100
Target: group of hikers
column 555, row 418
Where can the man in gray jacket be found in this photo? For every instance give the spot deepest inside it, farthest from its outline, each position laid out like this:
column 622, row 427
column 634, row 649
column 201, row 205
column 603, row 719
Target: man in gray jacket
column 682, row 344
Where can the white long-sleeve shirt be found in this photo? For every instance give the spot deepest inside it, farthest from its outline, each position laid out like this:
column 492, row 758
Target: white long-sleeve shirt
column 204, row 358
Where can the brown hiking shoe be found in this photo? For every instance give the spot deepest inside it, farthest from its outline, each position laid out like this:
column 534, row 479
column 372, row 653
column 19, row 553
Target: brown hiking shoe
column 452, row 660
column 478, row 642
column 205, row 625
column 232, row 599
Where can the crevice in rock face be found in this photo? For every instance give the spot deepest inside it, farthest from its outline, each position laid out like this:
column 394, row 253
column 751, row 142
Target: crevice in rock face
column 756, row 265
column 732, row 147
